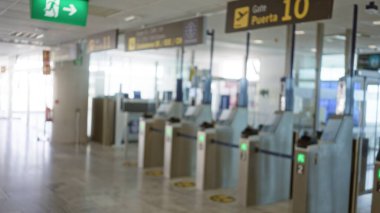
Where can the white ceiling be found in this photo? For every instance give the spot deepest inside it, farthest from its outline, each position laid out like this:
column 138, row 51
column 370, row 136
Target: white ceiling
column 151, row 12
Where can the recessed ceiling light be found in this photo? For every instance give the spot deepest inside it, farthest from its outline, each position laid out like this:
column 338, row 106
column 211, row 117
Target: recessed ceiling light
column 130, row 18
column 40, row 36
column 340, row 37
column 314, row 50
column 376, row 22
column 258, row 41
column 300, row 32
column 372, row 46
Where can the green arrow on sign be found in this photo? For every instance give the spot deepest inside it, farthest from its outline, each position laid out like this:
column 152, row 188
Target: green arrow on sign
column 73, row 12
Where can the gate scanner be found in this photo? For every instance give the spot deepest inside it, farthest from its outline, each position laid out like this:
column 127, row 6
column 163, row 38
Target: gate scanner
column 151, row 135
column 376, row 187
column 266, row 162
column 180, row 148
column 322, row 171
column 216, row 165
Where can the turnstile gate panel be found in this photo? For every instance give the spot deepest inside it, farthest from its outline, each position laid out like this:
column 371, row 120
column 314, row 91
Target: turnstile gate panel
column 151, row 143
column 179, row 150
column 265, row 164
column 376, row 190
column 180, row 142
column 322, row 174
column 208, row 171
column 152, row 135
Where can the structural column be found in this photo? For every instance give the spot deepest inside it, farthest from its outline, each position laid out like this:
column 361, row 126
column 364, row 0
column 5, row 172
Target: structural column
column 71, row 83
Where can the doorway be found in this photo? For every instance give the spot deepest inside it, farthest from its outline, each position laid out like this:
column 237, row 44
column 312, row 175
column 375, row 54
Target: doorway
column 25, row 93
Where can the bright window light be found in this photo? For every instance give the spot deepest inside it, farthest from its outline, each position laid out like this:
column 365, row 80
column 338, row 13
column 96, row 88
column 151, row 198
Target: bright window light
column 233, row 69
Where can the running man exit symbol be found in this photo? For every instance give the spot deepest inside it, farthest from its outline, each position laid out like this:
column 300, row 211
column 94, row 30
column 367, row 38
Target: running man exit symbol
column 241, row 18
column 52, row 8
column 73, row 12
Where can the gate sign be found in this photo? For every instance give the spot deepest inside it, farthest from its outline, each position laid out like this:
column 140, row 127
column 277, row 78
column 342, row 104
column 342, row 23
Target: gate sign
column 102, row 41
column 188, row 32
column 255, row 14
column 73, row 12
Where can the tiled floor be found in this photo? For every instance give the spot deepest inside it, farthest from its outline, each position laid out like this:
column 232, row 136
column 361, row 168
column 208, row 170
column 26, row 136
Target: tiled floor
column 37, row 177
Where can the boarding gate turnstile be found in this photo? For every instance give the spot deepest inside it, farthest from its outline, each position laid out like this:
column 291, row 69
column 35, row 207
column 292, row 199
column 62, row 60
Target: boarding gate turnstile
column 266, row 162
column 376, row 187
column 151, row 135
column 217, row 151
column 180, row 142
column 322, row 172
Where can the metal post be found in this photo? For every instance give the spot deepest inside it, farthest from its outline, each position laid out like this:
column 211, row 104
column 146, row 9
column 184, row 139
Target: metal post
column 156, row 93
column 348, row 51
column 349, row 82
column 247, row 55
column 77, row 126
column 317, row 96
column 290, row 50
column 207, row 96
column 243, row 93
column 211, row 33
column 179, row 97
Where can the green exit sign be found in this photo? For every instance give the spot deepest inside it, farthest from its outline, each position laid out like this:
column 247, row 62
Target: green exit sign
column 73, row 12
column 378, row 174
column 301, row 158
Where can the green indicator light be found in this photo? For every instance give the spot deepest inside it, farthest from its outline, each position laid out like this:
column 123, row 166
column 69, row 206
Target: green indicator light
column 301, row 158
column 169, row 132
column 378, row 174
column 244, row 147
column 202, row 138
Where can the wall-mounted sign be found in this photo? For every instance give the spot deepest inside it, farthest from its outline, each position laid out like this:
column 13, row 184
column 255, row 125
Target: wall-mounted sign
column 66, row 52
column 102, row 41
column 73, row 12
column 189, row 32
column 369, row 62
column 46, row 62
column 255, row 14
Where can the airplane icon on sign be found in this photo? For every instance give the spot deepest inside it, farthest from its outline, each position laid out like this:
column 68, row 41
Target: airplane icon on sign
column 241, row 17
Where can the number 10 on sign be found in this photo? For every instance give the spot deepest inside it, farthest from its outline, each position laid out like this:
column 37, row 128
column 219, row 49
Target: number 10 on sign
column 299, row 13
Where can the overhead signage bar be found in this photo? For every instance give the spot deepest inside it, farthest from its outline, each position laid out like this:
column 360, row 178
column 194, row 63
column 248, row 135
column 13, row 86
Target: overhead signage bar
column 72, row 12
column 188, row 32
column 103, row 41
column 256, row 14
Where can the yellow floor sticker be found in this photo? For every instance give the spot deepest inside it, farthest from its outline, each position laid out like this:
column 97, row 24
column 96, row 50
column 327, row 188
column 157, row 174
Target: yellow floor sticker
column 185, row 184
column 130, row 164
column 156, row 173
column 225, row 199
